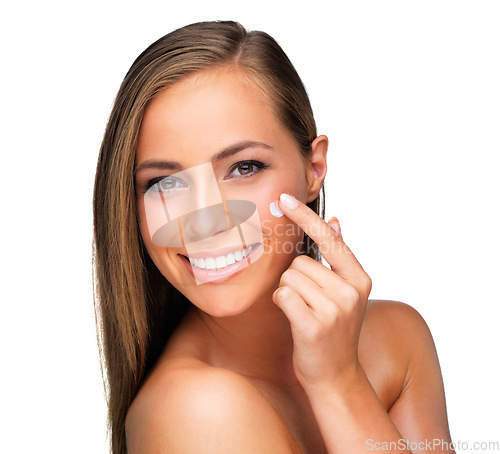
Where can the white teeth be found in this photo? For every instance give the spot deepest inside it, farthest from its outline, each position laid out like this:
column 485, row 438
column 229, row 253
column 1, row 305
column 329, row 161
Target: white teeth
column 210, row 263
column 222, row 261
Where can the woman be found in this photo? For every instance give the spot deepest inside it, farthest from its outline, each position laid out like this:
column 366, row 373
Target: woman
column 215, row 345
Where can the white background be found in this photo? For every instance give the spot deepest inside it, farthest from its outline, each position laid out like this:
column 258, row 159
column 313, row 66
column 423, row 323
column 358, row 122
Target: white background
column 407, row 91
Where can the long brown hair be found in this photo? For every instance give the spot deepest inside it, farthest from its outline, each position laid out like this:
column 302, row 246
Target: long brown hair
column 136, row 307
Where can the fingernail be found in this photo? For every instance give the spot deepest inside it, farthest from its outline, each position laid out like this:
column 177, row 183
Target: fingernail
column 275, row 209
column 289, row 201
column 335, row 224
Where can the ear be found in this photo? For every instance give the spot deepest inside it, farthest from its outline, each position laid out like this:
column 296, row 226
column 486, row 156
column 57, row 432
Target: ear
column 316, row 167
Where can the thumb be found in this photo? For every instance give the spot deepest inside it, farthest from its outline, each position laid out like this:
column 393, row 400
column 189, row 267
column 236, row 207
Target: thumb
column 334, row 223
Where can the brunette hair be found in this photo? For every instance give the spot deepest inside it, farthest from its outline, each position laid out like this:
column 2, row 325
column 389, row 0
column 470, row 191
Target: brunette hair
column 136, row 307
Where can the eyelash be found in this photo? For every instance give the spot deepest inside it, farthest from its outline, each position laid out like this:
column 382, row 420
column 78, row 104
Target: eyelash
column 153, row 181
column 260, row 166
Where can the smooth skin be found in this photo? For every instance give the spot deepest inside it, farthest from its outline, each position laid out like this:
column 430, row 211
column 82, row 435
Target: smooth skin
column 289, row 355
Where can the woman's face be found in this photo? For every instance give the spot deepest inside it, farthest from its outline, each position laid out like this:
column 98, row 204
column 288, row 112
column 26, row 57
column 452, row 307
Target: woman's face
column 188, row 124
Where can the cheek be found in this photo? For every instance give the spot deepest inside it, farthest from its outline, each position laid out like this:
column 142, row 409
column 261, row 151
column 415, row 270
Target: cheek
column 281, row 236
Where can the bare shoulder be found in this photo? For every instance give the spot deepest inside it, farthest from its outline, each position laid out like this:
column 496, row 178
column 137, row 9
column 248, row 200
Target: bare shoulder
column 393, row 325
column 382, row 315
column 191, row 407
column 393, row 333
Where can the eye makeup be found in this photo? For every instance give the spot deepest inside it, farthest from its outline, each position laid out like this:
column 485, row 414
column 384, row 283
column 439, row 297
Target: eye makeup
column 166, row 183
column 241, row 169
column 255, row 166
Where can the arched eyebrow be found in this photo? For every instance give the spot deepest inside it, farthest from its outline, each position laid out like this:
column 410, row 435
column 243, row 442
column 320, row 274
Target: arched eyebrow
column 223, row 154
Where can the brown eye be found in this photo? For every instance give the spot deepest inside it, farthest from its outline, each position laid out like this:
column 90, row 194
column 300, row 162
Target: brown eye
column 245, row 169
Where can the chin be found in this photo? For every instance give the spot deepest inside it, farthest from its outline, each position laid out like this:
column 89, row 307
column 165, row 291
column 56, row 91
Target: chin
column 228, row 298
column 231, row 295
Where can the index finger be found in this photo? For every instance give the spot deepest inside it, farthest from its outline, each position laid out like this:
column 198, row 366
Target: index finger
column 330, row 243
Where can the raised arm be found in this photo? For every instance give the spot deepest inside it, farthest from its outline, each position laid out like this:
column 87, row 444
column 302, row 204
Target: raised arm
column 326, row 309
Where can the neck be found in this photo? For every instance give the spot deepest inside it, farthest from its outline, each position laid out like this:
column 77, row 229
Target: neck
column 256, row 343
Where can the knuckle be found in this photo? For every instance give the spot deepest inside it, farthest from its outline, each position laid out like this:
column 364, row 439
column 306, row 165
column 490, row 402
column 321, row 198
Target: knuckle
column 351, row 295
column 300, row 261
column 368, row 284
column 288, row 276
column 285, row 292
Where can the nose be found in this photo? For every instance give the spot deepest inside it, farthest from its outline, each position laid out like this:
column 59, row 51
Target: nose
column 204, row 223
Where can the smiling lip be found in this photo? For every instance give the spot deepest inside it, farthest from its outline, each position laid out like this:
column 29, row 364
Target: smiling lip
column 219, row 275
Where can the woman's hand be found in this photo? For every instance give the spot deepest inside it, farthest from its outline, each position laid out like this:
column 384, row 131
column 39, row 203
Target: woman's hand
column 325, row 307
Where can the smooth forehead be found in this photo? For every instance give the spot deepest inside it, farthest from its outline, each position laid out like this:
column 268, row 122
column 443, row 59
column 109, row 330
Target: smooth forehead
column 206, row 112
